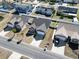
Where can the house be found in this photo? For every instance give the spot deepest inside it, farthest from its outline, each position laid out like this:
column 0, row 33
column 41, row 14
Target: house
column 40, row 32
column 65, row 10
column 68, row 1
column 42, row 22
column 39, row 35
column 5, row 6
column 71, row 1
column 16, row 23
column 39, row 27
column 59, row 40
column 69, row 30
column 10, row 24
column 44, row 11
column 23, row 8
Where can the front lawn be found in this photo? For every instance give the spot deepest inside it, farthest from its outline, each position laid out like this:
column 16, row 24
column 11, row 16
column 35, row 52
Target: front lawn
column 54, row 24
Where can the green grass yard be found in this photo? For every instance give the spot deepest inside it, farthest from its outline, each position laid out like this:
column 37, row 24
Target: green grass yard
column 54, row 24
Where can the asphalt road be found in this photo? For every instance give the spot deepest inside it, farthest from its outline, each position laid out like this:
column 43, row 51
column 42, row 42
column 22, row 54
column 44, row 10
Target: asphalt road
column 28, row 50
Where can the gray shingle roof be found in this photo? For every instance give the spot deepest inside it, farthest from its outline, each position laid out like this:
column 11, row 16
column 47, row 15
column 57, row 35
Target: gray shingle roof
column 67, row 9
column 25, row 19
column 42, row 27
column 39, row 22
column 33, row 25
column 69, row 30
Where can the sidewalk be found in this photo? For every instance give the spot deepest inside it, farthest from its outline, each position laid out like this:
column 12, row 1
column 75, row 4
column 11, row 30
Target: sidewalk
column 15, row 56
column 36, row 43
column 58, row 50
column 2, row 33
